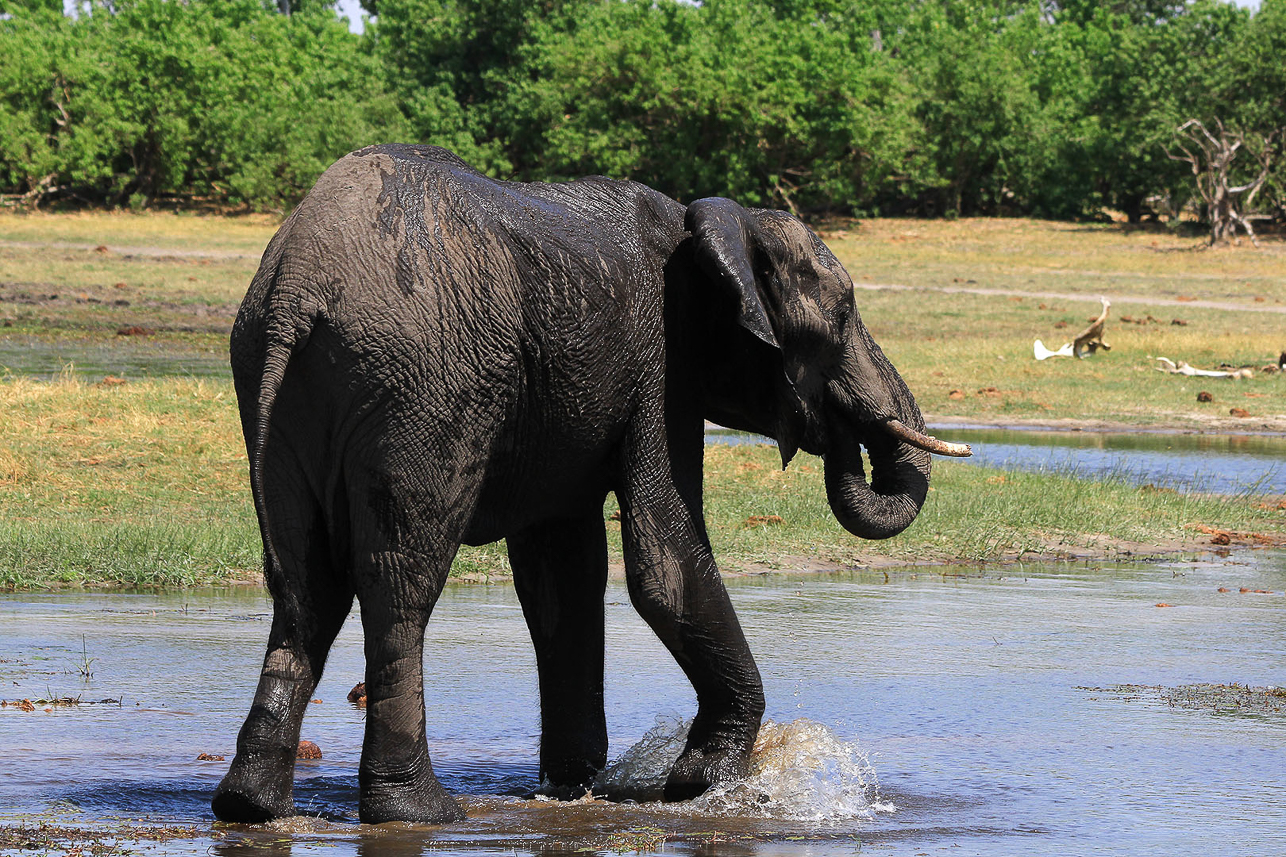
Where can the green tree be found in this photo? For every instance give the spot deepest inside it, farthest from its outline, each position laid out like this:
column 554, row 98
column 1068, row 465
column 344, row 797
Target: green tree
column 151, row 98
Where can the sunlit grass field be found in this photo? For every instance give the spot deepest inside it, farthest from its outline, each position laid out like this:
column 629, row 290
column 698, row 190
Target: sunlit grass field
column 137, row 477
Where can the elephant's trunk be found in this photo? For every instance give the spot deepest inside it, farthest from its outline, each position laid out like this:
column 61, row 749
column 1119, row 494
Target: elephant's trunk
column 870, row 406
column 899, row 483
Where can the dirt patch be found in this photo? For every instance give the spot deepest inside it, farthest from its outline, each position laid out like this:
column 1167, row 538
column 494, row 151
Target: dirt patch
column 50, row 838
column 128, row 251
column 1150, row 300
column 1222, row 699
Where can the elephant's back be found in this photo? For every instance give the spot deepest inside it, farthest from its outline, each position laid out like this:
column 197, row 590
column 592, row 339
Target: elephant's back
column 525, row 316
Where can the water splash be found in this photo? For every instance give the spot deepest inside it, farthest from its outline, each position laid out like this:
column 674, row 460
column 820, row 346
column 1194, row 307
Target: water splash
column 639, row 773
column 800, row 771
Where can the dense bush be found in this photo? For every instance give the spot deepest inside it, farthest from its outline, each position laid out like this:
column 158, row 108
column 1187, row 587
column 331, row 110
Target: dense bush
column 210, row 98
column 926, row 106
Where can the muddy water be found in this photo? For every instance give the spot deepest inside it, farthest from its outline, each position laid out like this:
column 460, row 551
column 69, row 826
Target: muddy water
column 924, row 714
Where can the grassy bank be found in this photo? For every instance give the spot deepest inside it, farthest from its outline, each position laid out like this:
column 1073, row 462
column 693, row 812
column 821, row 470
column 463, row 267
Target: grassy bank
column 143, row 483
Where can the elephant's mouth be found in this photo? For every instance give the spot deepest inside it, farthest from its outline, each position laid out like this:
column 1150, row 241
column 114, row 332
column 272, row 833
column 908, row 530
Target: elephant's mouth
column 899, row 483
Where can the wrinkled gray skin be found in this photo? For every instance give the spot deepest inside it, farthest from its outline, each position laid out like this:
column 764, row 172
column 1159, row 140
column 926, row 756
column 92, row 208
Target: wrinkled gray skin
column 428, row 357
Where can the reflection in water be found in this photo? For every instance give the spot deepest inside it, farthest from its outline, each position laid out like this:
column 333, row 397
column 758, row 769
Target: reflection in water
column 972, row 694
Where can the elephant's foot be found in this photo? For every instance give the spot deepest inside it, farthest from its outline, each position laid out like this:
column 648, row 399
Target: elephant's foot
column 255, row 789
column 569, row 775
column 701, row 766
column 562, row 790
column 417, row 798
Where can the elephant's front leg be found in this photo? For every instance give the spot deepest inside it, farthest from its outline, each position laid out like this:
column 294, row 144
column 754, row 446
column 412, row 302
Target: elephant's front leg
column 560, row 572
column 675, row 585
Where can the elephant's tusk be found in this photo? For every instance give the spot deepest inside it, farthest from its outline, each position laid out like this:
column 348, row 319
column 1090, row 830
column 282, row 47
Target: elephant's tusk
column 926, row 442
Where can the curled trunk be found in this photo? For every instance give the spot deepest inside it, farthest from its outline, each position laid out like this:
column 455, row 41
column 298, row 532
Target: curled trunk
column 899, row 482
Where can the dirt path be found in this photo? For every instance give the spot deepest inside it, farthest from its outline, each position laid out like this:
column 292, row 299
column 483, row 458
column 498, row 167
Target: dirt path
column 155, row 252
column 1150, row 300
column 169, row 252
column 1269, row 425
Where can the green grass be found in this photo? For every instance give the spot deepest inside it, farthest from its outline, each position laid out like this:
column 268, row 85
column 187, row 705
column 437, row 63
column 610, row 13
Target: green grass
column 969, row 343
column 943, row 342
column 144, row 484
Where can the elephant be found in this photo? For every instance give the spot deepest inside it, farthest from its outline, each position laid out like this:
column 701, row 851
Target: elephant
column 427, row 357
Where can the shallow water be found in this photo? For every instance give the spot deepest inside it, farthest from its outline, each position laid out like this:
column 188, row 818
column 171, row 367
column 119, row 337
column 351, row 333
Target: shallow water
column 92, row 358
column 1222, row 464
column 975, row 701
column 1225, row 464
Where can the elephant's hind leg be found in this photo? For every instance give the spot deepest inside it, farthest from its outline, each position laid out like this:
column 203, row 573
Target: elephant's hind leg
column 310, row 604
column 560, row 573
column 408, row 514
column 397, row 592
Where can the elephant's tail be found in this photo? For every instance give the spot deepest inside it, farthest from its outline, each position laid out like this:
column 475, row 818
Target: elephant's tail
column 286, row 321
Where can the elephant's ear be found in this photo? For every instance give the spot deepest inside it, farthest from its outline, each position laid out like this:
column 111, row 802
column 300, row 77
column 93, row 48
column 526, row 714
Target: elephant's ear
column 723, row 241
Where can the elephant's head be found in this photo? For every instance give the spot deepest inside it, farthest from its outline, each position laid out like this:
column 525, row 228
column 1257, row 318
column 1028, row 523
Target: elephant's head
column 799, row 366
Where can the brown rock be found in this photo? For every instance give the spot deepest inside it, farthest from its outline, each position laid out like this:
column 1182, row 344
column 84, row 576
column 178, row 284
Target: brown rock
column 357, row 695
column 1239, row 412
column 1224, row 589
column 308, row 750
column 1221, row 539
column 209, row 757
column 1205, row 396
column 25, row 705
